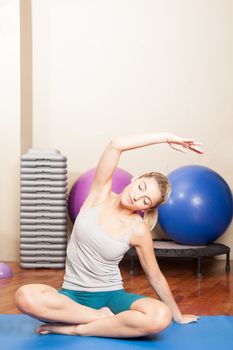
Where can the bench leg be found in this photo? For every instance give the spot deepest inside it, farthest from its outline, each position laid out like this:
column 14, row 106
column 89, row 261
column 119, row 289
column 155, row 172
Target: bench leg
column 198, row 268
column 228, row 266
column 132, row 264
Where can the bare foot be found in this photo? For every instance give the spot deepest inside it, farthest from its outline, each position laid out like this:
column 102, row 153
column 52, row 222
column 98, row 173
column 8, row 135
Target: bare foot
column 64, row 328
column 58, row 328
column 107, row 311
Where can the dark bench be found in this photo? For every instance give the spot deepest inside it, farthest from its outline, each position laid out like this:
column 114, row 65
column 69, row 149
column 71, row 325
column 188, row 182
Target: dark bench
column 171, row 249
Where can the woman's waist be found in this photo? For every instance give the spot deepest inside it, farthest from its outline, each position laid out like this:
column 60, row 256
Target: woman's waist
column 75, row 284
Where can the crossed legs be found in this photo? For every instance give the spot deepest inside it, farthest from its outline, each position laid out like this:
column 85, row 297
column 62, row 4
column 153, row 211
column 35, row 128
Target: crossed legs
column 63, row 315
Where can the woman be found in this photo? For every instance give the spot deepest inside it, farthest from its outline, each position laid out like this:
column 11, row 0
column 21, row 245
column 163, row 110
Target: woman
column 92, row 301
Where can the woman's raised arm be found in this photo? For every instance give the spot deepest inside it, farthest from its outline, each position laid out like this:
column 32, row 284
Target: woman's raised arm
column 111, row 155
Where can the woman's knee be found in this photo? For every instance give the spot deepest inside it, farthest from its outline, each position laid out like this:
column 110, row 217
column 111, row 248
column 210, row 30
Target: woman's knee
column 23, row 298
column 159, row 319
column 158, row 316
column 27, row 297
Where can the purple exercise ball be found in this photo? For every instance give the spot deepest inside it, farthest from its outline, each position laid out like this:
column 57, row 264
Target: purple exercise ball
column 5, row 271
column 80, row 190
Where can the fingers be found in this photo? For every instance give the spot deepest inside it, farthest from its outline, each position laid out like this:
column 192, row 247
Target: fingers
column 178, row 147
column 190, row 319
column 193, row 142
column 194, row 318
column 184, row 146
column 195, row 149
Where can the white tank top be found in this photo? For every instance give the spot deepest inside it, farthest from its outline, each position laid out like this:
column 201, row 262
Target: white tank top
column 93, row 256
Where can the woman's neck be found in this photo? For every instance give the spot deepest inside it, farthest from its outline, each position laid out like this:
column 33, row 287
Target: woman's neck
column 119, row 208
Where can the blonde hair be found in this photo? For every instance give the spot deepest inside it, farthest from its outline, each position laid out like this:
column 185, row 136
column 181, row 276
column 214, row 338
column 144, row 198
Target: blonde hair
column 151, row 215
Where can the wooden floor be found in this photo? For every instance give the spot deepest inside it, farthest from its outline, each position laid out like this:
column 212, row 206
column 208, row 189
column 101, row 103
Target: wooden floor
column 211, row 295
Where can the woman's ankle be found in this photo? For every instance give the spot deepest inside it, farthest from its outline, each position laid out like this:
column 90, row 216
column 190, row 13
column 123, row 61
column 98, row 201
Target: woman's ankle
column 81, row 329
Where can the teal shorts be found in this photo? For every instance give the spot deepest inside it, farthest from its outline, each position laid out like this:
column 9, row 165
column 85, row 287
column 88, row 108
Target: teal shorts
column 116, row 300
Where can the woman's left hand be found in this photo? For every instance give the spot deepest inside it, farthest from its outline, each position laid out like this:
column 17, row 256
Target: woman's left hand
column 183, row 144
column 185, row 319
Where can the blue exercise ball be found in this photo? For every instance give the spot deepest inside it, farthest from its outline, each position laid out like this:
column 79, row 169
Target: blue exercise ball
column 200, row 206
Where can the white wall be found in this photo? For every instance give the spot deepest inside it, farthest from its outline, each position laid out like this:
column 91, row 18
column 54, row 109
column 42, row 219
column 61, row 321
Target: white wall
column 109, row 67
column 104, row 68
column 9, row 128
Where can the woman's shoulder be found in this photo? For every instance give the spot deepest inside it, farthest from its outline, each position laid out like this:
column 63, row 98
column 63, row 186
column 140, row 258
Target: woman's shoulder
column 140, row 231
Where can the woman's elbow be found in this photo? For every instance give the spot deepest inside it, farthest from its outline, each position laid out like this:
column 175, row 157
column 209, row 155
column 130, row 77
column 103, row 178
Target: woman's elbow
column 116, row 144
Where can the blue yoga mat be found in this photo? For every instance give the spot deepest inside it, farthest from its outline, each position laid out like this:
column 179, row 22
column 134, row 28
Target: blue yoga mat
column 210, row 333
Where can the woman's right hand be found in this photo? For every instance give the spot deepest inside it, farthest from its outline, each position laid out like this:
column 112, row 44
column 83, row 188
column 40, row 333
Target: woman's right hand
column 185, row 319
column 183, row 144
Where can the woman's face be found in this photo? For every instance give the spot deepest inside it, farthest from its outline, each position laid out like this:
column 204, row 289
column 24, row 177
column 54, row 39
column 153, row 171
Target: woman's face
column 141, row 194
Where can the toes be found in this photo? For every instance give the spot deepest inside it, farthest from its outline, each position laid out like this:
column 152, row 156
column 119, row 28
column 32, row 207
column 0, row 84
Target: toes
column 44, row 332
